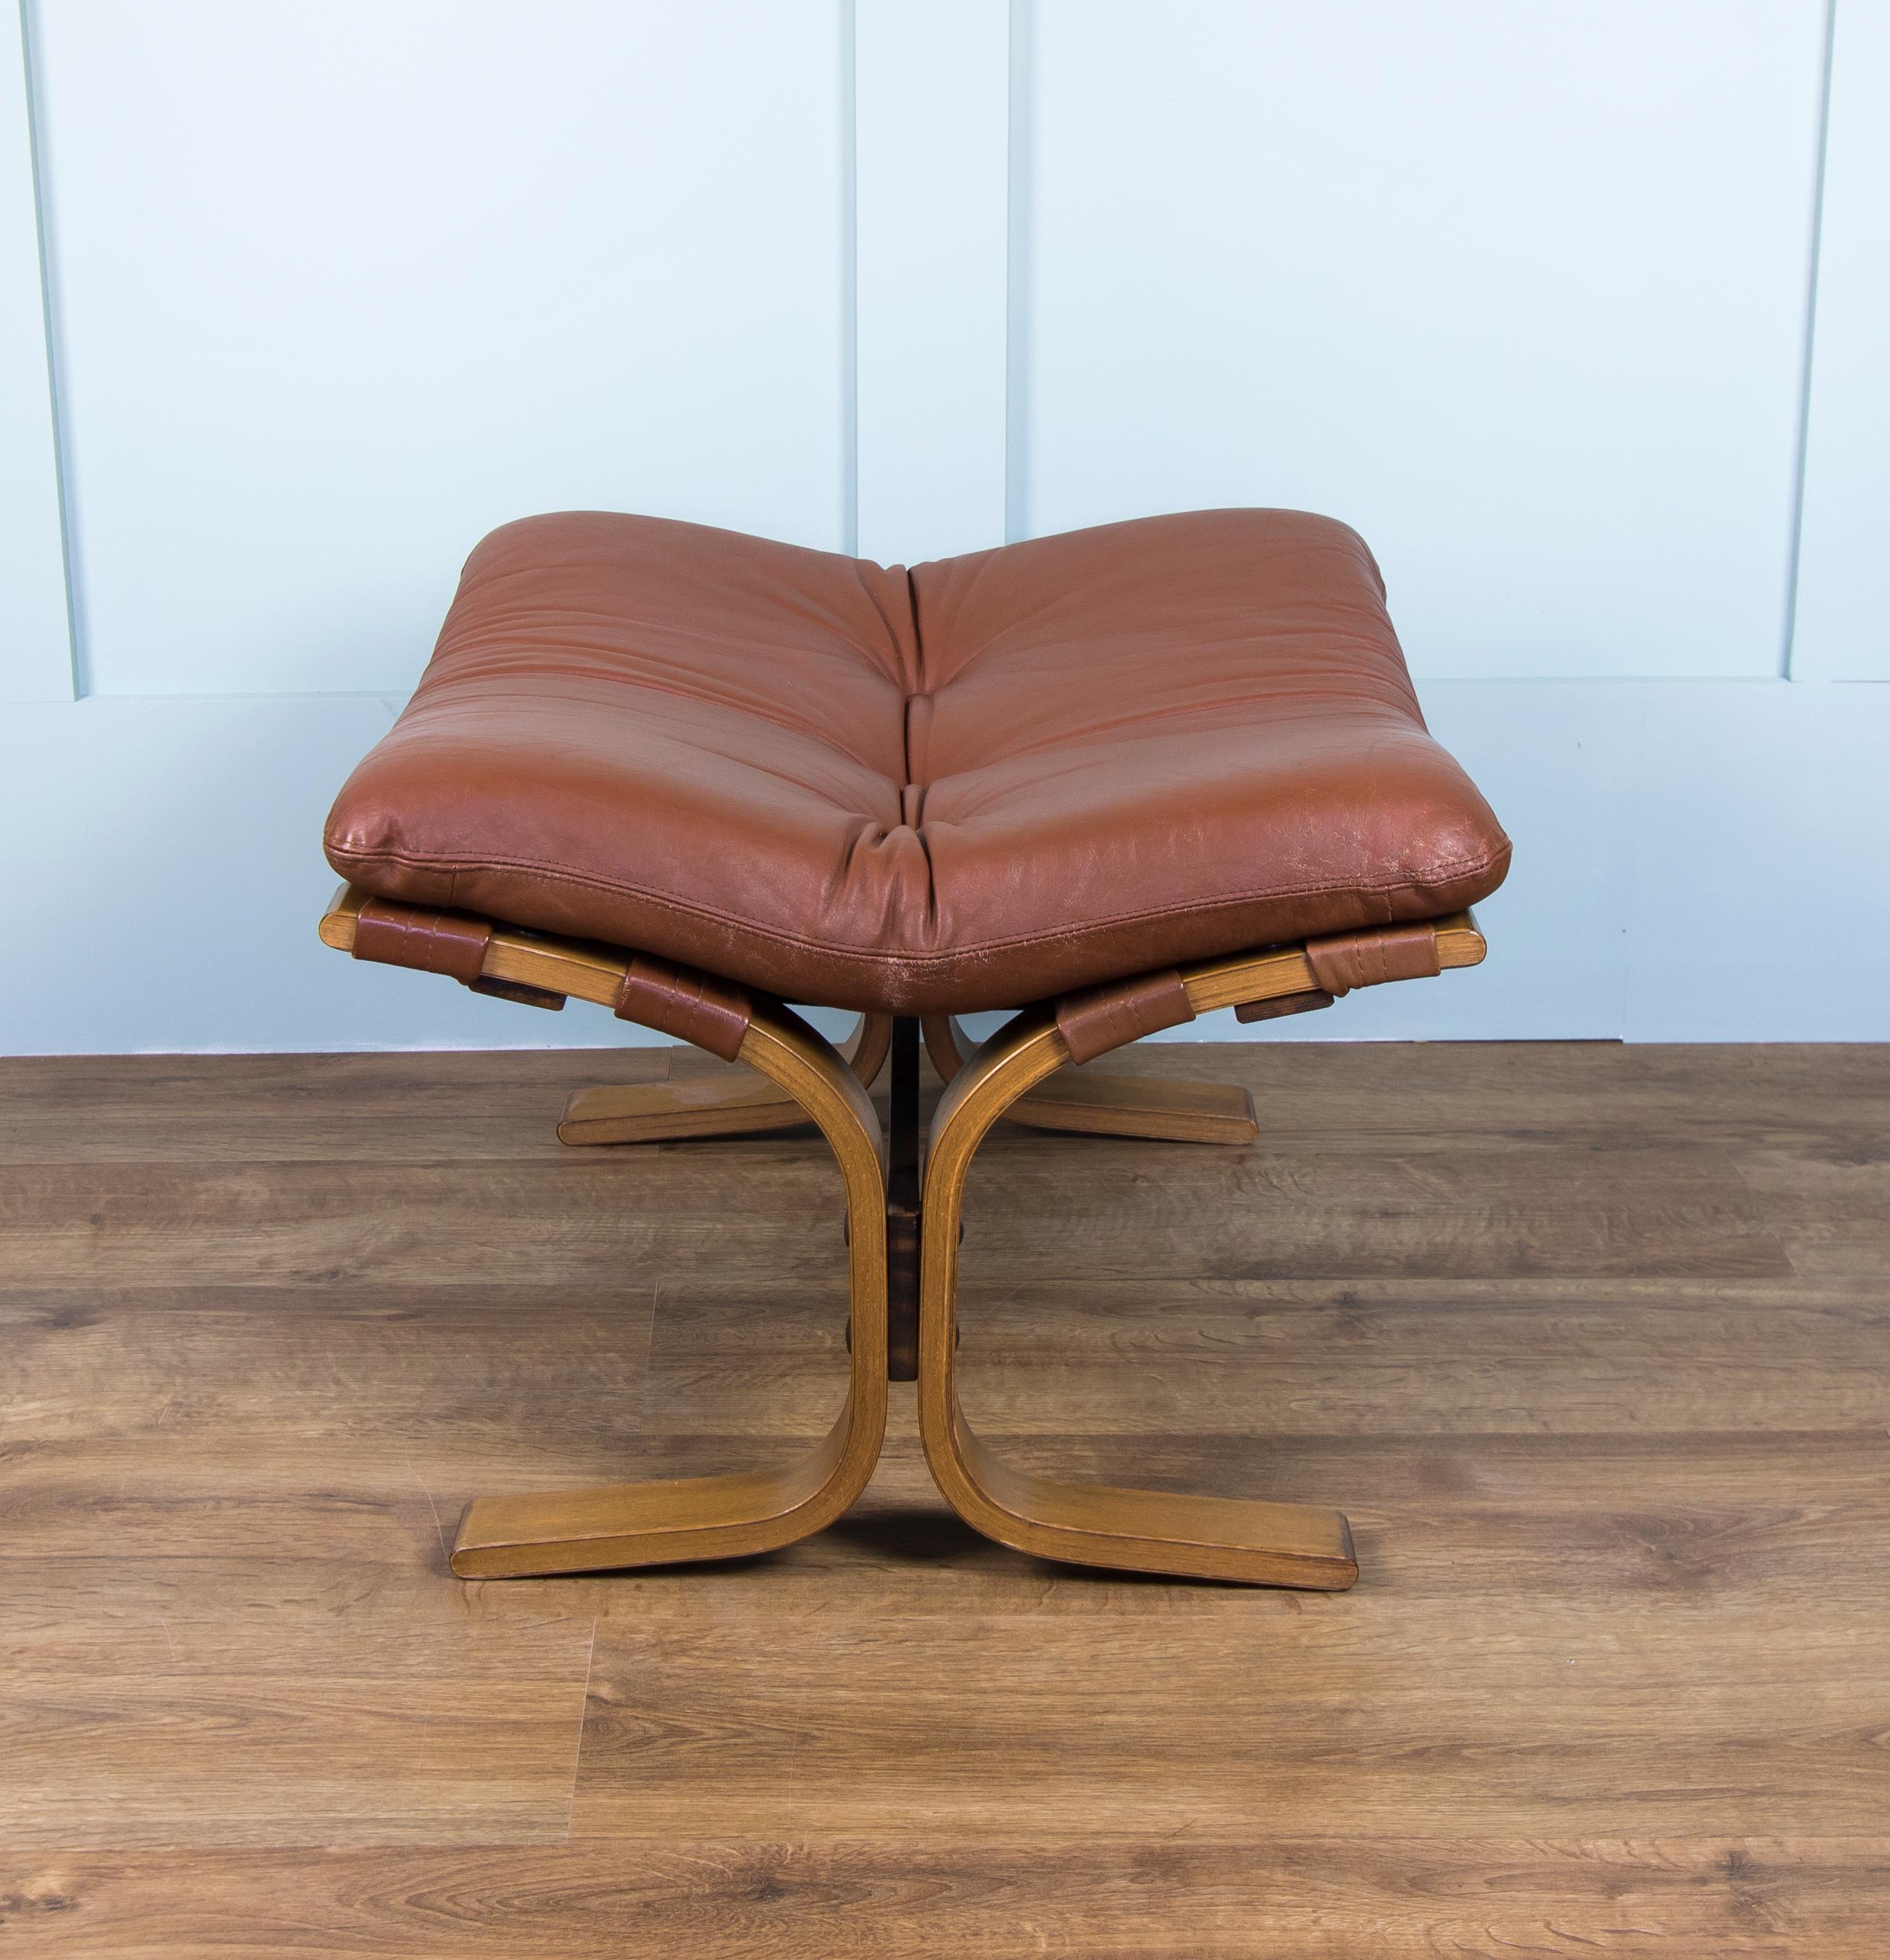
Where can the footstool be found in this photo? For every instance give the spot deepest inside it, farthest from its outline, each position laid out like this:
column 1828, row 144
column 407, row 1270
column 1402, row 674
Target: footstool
column 1111, row 780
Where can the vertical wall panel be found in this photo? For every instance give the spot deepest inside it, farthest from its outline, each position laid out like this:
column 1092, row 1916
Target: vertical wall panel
column 342, row 286
column 200, row 850
column 1521, row 289
column 1760, row 905
column 36, row 659
column 1844, row 577
column 931, row 114
column 1560, row 763
column 1518, row 290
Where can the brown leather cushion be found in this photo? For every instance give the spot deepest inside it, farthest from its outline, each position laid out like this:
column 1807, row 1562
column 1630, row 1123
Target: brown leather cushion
column 978, row 784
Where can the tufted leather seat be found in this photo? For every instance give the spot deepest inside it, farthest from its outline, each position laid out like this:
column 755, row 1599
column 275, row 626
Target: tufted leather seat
column 980, row 783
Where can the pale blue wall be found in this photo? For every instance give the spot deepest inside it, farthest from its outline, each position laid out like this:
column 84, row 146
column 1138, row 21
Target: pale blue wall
column 1523, row 292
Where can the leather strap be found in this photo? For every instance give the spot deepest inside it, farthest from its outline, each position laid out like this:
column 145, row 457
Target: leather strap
column 1283, row 1004
column 681, row 1000
column 1100, row 1018
column 1348, row 959
column 431, row 942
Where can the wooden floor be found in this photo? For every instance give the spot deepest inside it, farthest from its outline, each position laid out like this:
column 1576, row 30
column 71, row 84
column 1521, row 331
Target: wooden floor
column 1592, row 1343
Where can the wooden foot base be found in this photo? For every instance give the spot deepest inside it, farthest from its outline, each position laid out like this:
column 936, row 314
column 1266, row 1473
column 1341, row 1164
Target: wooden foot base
column 655, row 1524
column 1094, row 1102
column 1247, row 1540
column 652, row 1112
column 1137, row 1106
column 1022, row 1074
column 732, row 1102
column 1081, row 1101
column 1255, row 1542
column 728, row 1517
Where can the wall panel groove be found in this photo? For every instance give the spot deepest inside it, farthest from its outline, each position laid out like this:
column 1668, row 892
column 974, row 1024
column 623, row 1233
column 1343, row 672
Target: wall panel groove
column 36, row 638
column 1519, row 291
column 342, row 287
column 1791, row 625
column 1842, row 628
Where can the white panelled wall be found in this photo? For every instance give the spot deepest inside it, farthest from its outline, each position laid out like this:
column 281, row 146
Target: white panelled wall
column 1579, row 311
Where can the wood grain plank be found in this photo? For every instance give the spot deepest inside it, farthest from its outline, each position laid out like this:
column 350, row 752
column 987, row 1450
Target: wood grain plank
column 152, row 1749
column 1260, row 1358
column 1590, row 1342
column 460, row 1362
column 1530, row 1719
column 1471, row 1212
column 575, row 1219
column 251, row 1108
column 1298, row 1897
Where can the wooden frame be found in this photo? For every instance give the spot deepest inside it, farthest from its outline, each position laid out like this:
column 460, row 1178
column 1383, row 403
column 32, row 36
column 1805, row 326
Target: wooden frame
column 1257, row 1542
column 1208, row 1538
column 704, row 1517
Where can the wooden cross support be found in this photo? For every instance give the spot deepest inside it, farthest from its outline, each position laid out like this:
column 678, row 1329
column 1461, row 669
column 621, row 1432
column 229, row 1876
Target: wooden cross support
column 904, row 1225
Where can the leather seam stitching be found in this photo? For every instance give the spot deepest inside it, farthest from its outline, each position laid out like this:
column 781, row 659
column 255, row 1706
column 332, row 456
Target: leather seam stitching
column 1455, row 867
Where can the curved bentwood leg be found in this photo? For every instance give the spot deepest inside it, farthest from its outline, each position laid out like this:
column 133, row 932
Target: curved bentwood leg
column 731, row 1102
column 1087, row 1524
column 726, row 1517
column 1092, row 1101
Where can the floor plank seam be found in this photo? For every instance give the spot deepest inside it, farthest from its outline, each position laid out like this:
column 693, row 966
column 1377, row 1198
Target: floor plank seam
column 439, row 1529
column 584, row 1709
